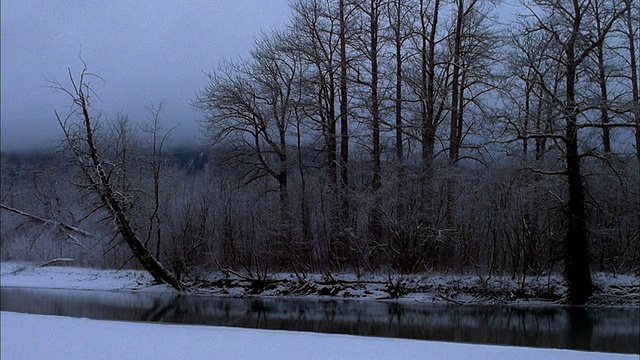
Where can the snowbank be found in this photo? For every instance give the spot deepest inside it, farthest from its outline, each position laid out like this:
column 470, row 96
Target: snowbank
column 621, row 290
column 50, row 337
column 67, row 277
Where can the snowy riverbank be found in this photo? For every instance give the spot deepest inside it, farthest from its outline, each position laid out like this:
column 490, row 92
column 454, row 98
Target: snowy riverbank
column 621, row 290
column 19, row 274
column 41, row 336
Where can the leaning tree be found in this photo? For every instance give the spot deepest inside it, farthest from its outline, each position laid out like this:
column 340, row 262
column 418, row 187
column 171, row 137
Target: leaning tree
column 98, row 175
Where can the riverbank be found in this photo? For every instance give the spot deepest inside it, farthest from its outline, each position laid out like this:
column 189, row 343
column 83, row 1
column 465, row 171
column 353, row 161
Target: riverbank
column 28, row 336
column 620, row 290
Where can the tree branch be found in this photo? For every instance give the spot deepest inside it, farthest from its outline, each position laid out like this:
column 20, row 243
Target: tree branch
column 56, row 223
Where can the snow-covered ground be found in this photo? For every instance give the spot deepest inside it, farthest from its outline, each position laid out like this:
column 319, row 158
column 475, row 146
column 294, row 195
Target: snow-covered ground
column 26, row 336
column 66, row 277
column 620, row 290
column 52, row 337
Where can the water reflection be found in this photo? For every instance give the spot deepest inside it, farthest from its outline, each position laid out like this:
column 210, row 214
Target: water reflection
column 597, row 329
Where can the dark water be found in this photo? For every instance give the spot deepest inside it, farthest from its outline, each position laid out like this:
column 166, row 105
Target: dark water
column 596, row 329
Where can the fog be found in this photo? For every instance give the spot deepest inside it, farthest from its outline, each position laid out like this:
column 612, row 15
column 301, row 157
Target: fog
column 147, row 52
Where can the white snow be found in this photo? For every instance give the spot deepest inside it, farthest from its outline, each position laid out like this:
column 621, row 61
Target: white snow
column 621, row 290
column 67, row 277
column 51, row 337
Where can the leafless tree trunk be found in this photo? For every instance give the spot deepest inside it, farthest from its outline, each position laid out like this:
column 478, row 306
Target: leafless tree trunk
column 316, row 38
column 602, row 81
column 631, row 33
column 574, row 52
column 80, row 140
column 456, row 87
column 344, row 115
column 429, row 120
column 254, row 104
column 372, row 11
column 396, row 18
column 400, row 32
column 157, row 147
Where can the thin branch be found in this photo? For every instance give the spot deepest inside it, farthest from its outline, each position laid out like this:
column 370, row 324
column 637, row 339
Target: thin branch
column 56, row 223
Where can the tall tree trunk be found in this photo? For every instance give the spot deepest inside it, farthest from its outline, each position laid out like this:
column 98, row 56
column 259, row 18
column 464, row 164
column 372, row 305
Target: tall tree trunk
column 399, row 145
column 604, row 104
column 427, row 94
column 540, row 128
column 327, row 109
column 527, row 118
column 602, row 83
column 376, row 183
column 398, row 100
column 635, row 93
column 99, row 182
column 576, row 245
column 344, row 119
column 454, row 140
column 283, row 187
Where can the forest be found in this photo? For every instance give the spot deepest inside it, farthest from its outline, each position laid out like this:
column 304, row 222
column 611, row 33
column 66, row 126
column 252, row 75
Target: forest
column 368, row 136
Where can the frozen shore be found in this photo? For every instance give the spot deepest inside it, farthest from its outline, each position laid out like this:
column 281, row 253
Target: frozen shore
column 620, row 290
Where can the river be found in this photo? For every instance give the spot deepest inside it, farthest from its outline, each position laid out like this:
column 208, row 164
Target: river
column 581, row 328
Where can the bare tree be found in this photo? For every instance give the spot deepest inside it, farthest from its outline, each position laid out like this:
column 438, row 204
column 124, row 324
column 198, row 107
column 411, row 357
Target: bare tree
column 369, row 47
column 532, row 112
column 344, row 109
column 78, row 128
column 158, row 144
column 315, row 36
column 397, row 18
column 474, row 45
column 566, row 22
column 253, row 104
column 630, row 30
column 428, row 91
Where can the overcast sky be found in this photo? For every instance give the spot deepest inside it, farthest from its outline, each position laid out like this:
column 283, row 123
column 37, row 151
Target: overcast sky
column 146, row 51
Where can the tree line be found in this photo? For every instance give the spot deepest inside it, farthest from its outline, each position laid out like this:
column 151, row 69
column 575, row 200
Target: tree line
column 399, row 135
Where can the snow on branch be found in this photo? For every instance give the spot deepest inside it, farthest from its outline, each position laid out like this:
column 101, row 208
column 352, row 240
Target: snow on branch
column 56, row 223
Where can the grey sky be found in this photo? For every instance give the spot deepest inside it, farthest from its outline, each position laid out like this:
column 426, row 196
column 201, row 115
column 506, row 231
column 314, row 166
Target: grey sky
column 146, row 51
